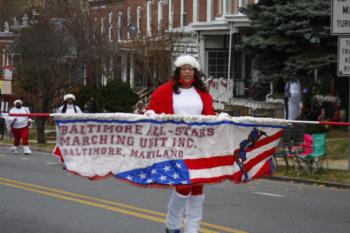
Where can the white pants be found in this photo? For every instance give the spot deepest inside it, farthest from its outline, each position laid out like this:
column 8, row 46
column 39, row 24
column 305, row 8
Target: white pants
column 192, row 206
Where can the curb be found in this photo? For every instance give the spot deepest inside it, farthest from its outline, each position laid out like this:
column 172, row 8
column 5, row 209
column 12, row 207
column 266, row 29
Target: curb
column 308, row 181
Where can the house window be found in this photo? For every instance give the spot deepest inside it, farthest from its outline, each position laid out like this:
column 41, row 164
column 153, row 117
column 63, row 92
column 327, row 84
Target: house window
column 227, row 6
column 171, row 15
column 241, row 3
column 110, row 26
column 149, row 18
column 218, row 64
column 182, row 14
column 102, row 21
column 128, row 22
column 220, row 7
column 160, row 16
column 138, row 20
column 94, row 27
column 196, row 11
column 120, row 29
column 210, row 10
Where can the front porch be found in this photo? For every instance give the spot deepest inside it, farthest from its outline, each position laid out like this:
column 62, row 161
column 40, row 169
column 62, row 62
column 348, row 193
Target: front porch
column 245, row 99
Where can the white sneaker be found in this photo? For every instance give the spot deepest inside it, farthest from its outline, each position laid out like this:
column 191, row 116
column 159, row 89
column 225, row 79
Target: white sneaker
column 14, row 149
column 26, row 150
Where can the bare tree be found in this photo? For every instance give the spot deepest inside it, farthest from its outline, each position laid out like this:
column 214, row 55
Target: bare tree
column 12, row 8
column 154, row 56
column 56, row 53
column 66, row 49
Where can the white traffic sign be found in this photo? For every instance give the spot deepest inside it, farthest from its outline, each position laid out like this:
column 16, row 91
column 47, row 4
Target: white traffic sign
column 343, row 56
column 340, row 23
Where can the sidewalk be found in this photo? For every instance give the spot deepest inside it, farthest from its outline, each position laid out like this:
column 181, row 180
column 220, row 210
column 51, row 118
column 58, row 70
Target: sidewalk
column 338, row 164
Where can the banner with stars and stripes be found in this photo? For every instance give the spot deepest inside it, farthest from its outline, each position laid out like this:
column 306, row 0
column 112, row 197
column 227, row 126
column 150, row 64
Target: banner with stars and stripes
column 167, row 149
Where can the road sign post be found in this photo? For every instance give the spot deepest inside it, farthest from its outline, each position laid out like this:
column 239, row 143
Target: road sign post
column 340, row 25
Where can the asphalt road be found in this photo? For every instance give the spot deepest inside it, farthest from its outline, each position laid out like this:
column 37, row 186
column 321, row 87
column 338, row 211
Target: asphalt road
column 37, row 195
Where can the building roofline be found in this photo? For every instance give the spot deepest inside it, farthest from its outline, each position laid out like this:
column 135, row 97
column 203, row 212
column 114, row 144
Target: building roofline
column 222, row 23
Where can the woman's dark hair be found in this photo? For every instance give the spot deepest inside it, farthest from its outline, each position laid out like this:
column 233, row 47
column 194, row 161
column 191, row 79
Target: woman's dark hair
column 64, row 109
column 198, row 83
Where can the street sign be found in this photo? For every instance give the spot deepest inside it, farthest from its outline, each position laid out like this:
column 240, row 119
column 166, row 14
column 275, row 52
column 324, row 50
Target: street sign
column 340, row 23
column 343, row 56
column 6, row 72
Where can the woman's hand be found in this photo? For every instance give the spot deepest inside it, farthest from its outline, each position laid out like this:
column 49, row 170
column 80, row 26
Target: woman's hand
column 150, row 113
column 224, row 116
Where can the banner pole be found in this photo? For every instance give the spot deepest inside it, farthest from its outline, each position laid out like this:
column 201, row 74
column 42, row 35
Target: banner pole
column 31, row 114
column 335, row 123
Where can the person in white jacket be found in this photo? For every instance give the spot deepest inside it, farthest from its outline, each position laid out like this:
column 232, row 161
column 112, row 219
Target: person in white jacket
column 20, row 127
column 292, row 99
column 69, row 106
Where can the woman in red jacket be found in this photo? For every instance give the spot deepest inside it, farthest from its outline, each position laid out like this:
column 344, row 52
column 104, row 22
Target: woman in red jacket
column 185, row 94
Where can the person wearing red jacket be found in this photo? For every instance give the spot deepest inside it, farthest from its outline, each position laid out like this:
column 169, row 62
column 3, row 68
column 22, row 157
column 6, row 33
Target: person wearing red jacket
column 185, row 94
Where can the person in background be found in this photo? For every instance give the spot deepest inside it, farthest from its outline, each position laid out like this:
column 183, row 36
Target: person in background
column 106, row 108
column 90, row 106
column 2, row 126
column 285, row 100
column 292, row 99
column 139, row 108
column 69, row 105
column 20, row 127
column 336, row 115
column 185, row 94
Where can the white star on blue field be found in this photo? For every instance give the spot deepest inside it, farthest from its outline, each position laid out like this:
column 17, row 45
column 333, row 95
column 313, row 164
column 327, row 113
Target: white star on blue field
column 172, row 172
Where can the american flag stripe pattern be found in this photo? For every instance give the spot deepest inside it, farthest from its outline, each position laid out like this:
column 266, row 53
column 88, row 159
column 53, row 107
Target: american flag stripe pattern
column 208, row 170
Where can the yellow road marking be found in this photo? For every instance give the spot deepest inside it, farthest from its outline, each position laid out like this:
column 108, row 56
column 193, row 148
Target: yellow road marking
column 105, row 204
column 114, row 203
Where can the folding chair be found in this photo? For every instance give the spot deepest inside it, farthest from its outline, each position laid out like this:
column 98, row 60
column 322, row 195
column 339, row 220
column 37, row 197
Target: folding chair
column 281, row 153
column 319, row 151
column 301, row 153
column 297, row 134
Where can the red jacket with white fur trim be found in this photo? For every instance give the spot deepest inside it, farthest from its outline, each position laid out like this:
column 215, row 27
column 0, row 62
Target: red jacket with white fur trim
column 162, row 100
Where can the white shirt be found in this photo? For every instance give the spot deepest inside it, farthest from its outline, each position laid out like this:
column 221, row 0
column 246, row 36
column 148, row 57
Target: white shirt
column 19, row 122
column 188, row 102
column 70, row 109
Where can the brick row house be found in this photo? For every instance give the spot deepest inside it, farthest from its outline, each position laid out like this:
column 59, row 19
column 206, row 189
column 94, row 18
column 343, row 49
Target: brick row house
column 8, row 34
column 6, row 38
column 211, row 30
column 148, row 35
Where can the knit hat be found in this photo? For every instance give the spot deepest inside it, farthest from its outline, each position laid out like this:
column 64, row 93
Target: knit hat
column 187, row 60
column 68, row 96
column 17, row 101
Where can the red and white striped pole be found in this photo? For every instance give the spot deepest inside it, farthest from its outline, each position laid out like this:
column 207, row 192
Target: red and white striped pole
column 30, row 114
column 335, row 123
